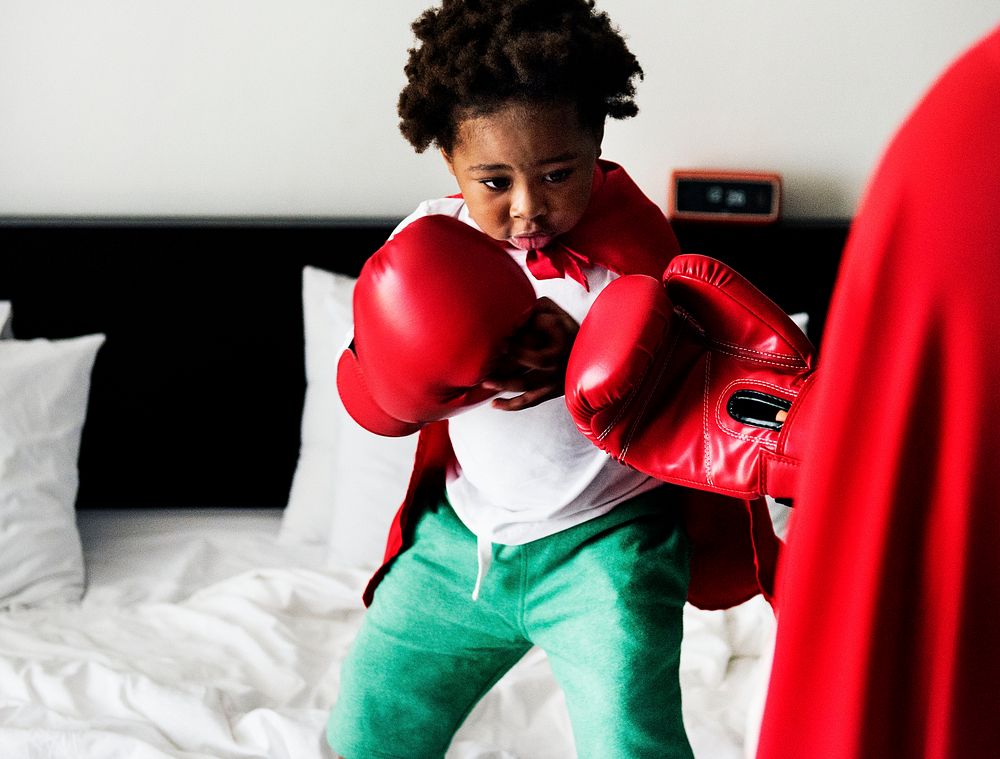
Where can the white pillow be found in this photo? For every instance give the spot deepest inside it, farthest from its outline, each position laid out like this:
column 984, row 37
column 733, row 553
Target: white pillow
column 5, row 313
column 44, row 387
column 801, row 319
column 349, row 482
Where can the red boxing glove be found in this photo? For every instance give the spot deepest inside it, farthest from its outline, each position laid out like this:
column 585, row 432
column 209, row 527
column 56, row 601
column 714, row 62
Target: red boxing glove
column 433, row 309
column 683, row 380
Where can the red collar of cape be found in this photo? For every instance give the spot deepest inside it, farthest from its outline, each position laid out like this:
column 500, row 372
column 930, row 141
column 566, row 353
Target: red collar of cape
column 734, row 549
column 621, row 230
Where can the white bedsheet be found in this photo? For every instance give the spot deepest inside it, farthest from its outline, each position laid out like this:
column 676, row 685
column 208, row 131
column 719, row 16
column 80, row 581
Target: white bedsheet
column 201, row 637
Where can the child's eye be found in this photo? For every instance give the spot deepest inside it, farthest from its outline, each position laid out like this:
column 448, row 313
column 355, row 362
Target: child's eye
column 560, row 175
column 496, row 183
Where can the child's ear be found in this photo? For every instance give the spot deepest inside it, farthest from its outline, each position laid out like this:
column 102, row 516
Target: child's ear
column 448, row 160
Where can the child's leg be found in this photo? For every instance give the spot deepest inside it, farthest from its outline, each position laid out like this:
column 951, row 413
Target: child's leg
column 426, row 652
column 609, row 615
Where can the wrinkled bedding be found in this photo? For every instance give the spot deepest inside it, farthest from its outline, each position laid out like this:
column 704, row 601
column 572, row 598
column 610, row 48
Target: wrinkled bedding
column 202, row 637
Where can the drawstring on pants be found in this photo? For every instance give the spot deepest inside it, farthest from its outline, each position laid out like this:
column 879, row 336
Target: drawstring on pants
column 484, row 555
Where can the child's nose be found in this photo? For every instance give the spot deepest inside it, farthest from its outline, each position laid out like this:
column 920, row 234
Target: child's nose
column 527, row 203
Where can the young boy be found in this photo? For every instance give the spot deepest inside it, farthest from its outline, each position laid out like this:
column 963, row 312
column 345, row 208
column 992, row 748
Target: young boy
column 517, row 531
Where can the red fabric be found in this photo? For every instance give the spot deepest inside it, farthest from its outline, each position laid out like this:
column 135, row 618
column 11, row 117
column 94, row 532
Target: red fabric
column 733, row 551
column 622, row 229
column 433, row 457
column 555, row 262
column 889, row 593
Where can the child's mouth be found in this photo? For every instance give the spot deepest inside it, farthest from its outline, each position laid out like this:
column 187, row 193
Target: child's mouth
column 531, row 242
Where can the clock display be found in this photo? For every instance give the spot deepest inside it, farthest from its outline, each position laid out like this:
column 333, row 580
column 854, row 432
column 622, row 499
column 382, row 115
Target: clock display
column 725, row 195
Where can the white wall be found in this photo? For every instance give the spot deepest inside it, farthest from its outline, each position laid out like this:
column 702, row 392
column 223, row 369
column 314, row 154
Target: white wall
column 287, row 107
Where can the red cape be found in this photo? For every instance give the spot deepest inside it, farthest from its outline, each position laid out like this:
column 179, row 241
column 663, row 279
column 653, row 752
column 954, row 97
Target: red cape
column 734, row 549
column 889, row 591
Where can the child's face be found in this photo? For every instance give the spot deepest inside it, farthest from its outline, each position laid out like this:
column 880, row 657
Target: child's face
column 525, row 171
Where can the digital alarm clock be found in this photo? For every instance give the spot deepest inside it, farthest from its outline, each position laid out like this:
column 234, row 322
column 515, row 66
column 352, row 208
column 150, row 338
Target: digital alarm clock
column 736, row 196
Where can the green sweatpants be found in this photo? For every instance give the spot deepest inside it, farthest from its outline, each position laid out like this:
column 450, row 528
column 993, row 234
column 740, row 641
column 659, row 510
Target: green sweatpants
column 603, row 599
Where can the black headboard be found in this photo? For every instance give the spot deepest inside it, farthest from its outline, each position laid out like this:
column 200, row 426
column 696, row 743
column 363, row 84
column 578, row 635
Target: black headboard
column 197, row 393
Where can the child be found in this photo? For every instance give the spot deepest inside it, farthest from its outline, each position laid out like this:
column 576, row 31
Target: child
column 517, row 531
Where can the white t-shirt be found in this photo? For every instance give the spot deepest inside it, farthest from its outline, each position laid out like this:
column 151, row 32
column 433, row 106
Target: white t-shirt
column 524, row 475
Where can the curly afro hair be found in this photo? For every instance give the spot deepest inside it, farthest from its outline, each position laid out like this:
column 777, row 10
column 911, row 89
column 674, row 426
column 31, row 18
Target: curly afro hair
column 475, row 56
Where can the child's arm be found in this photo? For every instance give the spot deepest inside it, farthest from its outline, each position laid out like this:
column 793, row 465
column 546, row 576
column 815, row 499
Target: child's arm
column 535, row 362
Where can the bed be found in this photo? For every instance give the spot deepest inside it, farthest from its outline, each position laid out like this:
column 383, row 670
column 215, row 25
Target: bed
column 188, row 515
